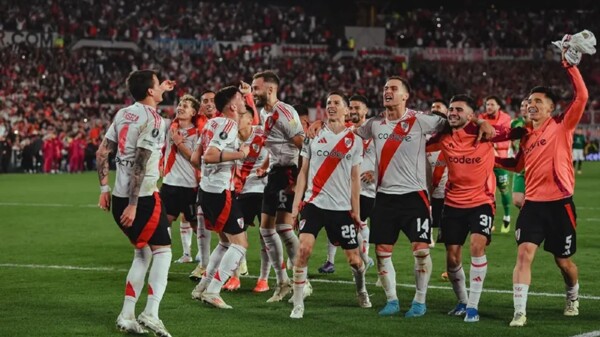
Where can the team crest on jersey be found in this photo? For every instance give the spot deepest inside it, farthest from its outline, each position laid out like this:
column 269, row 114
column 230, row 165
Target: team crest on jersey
column 223, row 135
column 155, row 133
column 255, row 147
column 404, row 126
column 240, row 222
column 348, row 142
column 301, row 224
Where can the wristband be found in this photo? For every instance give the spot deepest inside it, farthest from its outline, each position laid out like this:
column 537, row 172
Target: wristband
column 104, row 189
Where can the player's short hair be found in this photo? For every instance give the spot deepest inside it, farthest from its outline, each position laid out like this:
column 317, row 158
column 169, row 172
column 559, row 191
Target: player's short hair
column 301, row 109
column 546, row 91
column 440, row 100
column 138, row 83
column 401, row 79
column 268, row 76
column 207, row 92
column 465, row 98
column 224, row 96
column 339, row 93
column 495, row 98
column 193, row 101
column 359, row 98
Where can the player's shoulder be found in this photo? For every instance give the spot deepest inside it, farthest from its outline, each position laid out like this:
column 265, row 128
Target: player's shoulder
column 285, row 110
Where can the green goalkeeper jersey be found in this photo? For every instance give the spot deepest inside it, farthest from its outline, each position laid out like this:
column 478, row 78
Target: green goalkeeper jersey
column 515, row 123
column 578, row 141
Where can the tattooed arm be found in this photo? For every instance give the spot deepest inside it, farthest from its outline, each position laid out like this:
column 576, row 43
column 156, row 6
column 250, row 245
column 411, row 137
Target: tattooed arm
column 106, row 148
column 135, row 183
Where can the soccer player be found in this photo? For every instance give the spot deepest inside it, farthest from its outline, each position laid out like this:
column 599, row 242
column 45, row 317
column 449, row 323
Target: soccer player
column 578, row 146
column 518, row 188
column 495, row 115
column 331, row 162
column 548, row 214
column 358, row 110
column 219, row 146
column 283, row 139
column 439, row 175
column 135, row 136
column 469, row 201
column 178, row 189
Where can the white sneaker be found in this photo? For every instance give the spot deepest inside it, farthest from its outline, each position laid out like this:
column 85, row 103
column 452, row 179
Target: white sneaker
column 363, row 300
column 306, row 291
column 572, row 308
column 130, row 326
column 197, row 292
column 297, row 312
column 244, row 268
column 215, row 300
column 378, row 283
column 519, row 320
column 281, row 291
column 154, row 324
column 184, row 259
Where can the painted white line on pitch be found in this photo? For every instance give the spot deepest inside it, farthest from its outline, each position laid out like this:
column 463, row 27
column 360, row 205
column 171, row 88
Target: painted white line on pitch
column 44, row 205
column 109, row 269
column 595, row 333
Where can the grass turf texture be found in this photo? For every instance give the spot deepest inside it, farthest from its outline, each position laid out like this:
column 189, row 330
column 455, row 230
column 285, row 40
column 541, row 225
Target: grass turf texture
column 63, row 264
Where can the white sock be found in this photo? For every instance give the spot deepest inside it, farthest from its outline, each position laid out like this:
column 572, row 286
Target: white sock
column 186, row 233
column 520, row 297
column 203, row 237
column 477, row 276
column 300, row 276
column 359, row 278
column 229, row 263
column 275, row 252
column 573, row 292
column 459, row 285
column 331, row 249
column 134, row 282
column 157, row 280
column 289, row 239
column 387, row 274
column 365, row 232
column 423, row 266
column 213, row 264
column 265, row 264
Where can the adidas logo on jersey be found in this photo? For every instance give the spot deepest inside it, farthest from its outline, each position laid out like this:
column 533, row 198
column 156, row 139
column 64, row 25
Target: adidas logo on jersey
column 322, row 141
column 424, row 236
column 352, row 242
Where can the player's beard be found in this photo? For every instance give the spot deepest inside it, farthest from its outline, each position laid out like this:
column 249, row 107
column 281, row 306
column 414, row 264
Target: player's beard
column 355, row 118
column 261, row 101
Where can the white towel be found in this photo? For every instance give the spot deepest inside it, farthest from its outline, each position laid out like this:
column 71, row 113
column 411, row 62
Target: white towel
column 578, row 44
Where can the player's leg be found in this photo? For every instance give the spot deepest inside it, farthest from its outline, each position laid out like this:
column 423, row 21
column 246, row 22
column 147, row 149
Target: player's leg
column 518, row 190
column 502, row 182
column 300, row 270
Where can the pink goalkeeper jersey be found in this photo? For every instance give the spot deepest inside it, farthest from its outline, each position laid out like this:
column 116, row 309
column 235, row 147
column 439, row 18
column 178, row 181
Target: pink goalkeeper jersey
column 545, row 152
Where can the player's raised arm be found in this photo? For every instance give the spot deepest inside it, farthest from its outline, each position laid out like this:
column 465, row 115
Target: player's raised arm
column 571, row 116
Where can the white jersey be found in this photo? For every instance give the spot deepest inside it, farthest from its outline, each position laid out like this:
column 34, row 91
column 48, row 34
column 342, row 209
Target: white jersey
column 368, row 164
column 221, row 133
column 137, row 125
column 400, row 150
column 280, row 126
column 247, row 181
column 331, row 158
column 178, row 170
column 439, row 174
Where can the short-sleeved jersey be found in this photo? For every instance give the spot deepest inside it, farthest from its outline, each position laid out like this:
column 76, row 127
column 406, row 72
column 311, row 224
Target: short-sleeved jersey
column 501, row 119
column 578, row 142
column 439, row 174
column 368, row 164
column 178, row 171
column 246, row 179
column 137, row 125
column 400, row 150
column 546, row 151
column 280, row 125
column 331, row 157
column 221, row 133
column 471, row 179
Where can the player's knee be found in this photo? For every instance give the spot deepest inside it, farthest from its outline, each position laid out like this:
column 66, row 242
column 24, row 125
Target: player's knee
column 304, row 251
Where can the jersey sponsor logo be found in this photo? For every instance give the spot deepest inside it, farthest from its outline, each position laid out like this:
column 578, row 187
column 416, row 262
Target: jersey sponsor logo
column 333, row 154
column 394, row 136
column 130, row 116
column 540, row 142
column 123, row 162
column 464, row 160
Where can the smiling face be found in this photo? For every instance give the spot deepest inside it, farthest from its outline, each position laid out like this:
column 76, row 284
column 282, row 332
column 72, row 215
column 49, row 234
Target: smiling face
column 185, row 110
column 207, row 104
column 394, row 93
column 336, row 108
column 491, row 107
column 539, row 107
column 259, row 90
column 357, row 110
column 459, row 114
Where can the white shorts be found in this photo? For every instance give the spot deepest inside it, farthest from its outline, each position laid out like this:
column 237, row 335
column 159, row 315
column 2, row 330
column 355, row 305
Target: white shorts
column 578, row 154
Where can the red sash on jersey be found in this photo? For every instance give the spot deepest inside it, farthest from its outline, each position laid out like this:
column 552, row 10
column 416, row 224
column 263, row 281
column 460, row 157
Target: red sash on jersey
column 173, row 152
column 392, row 144
column 270, row 123
column 438, row 172
column 248, row 164
column 366, row 144
column 330, row 163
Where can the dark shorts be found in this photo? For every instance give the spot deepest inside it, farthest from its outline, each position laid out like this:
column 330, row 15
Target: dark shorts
column 551, row 222
column 150, row 226
column 457, row 223
column 437, row 206
column 366, row 207
column 251, row 206
column 339, row 226
column 279, row 192
column 178, row 200
column 393, row 213
column 221, row 212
